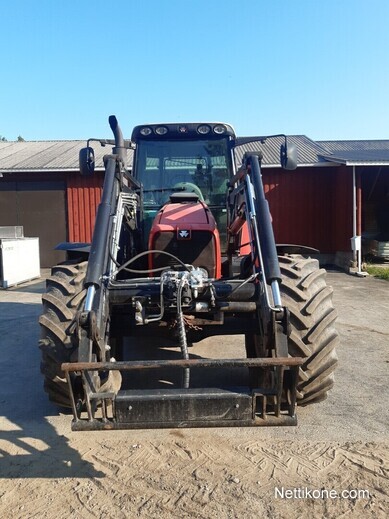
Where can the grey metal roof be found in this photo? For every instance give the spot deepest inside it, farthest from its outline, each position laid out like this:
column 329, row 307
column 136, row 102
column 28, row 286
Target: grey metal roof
column 308, row 152
column 33, row 156
column 357, row 153
column 62, row 156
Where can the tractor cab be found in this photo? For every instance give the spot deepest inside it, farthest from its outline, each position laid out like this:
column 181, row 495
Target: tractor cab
column 184, row 158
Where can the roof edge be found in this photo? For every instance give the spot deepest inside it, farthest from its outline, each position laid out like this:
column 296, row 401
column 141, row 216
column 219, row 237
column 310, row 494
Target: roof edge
column 46, row 170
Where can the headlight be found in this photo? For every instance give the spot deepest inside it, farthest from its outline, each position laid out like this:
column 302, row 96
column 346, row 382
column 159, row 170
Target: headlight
column 219, row 129
column 161, row 130
column 203, row 129
column 145, row 131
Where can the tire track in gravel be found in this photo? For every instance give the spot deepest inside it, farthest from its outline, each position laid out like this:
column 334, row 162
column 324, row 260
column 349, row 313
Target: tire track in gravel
column 171, row 476
column 206, row 478
column 250, row 459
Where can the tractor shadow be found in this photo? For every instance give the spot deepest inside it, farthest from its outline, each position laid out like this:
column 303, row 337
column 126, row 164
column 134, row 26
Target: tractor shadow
column 30, row 446
column 162, row 349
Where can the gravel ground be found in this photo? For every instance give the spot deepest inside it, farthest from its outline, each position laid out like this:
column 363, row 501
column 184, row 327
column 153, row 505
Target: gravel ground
column 339, row 445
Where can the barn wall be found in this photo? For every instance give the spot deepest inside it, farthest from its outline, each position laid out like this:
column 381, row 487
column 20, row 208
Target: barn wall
column 37, row 202
column 342, row 208
column 83, row 197
column 311, row 206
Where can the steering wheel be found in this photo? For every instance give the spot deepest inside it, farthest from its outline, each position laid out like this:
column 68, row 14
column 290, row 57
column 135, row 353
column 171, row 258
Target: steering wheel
column 192, row 188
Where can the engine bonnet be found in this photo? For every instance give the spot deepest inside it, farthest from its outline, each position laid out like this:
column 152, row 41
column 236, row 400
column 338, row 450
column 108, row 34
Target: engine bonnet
column 187, row 230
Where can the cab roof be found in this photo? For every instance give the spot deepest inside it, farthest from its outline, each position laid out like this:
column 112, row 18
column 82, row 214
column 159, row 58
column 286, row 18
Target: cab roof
column 168, row 131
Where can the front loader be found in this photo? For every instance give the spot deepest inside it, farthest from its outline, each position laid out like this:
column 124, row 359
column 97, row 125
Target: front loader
column 183, row 249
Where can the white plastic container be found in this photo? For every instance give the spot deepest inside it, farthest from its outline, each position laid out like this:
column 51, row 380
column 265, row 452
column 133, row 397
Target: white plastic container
column 19, row 260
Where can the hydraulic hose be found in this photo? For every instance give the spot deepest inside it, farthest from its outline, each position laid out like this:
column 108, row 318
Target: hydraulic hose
column 146, row 253
column 182, row 333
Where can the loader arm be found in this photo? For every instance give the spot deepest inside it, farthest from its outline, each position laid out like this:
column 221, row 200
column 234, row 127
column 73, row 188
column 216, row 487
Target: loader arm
column 249, row 207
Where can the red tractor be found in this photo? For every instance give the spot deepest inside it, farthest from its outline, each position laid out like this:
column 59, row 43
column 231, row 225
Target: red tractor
column 183, row 249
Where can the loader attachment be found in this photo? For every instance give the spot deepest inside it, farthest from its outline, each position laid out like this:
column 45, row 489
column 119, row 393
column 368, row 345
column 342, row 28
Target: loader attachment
column 191, row 407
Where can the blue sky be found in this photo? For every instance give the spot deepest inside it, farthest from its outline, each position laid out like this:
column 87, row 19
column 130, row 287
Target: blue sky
column 319, row 68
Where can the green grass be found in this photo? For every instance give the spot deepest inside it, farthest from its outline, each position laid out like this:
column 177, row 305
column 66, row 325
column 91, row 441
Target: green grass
column 378, row 272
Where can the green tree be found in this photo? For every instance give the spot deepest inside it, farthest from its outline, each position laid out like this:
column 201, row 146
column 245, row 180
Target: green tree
column 3, row 139
column 20, row 138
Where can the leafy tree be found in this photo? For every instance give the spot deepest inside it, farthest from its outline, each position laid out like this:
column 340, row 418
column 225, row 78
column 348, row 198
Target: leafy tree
column 19, row 139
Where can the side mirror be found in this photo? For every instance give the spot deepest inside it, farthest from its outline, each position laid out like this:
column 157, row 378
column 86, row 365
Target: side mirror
column 288, row 156
column 87, row 161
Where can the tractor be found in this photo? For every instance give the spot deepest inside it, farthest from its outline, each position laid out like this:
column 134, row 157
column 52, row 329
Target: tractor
column 183, row 250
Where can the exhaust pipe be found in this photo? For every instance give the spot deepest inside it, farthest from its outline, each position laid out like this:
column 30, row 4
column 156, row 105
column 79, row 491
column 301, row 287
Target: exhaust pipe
column 119, row 148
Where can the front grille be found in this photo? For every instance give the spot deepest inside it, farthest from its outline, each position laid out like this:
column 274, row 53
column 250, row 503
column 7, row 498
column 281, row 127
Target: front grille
column 198, row 251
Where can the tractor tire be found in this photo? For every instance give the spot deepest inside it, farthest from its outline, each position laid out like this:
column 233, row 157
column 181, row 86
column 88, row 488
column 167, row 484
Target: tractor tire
column 61, row 301
column 312, row 316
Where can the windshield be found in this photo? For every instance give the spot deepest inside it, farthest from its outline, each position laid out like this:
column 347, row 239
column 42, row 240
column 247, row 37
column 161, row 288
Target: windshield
column 163, row 166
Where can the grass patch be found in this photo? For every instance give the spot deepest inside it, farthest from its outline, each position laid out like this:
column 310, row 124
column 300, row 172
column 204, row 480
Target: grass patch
column 378, row 272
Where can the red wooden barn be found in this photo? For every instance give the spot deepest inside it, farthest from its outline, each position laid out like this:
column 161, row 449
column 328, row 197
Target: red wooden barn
column 339, row 190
